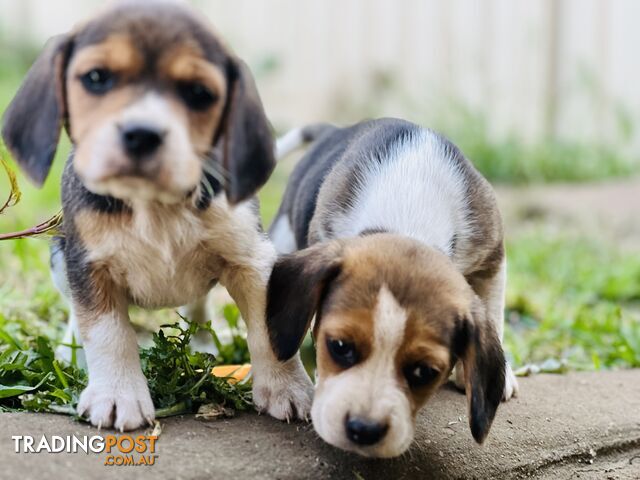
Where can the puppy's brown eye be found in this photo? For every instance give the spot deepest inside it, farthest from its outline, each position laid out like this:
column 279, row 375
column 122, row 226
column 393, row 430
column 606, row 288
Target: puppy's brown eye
column 419, row 374
column 196, row 96
column 343, row 353
column 98, row 80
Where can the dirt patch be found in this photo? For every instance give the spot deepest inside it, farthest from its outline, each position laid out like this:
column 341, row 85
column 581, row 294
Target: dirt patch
column 610, row 210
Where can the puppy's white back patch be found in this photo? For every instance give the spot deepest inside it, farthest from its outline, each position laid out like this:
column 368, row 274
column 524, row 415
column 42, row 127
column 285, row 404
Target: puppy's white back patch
column 418, row 191
column 389, row 322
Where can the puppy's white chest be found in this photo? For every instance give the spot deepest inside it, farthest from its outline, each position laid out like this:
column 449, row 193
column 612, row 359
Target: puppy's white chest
column 160, row 262
column 170, row 276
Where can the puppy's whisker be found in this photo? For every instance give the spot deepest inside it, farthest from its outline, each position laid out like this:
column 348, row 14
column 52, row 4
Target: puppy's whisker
column 211, row 161
column 205, row 185
column 214, row 170
column 218, row 168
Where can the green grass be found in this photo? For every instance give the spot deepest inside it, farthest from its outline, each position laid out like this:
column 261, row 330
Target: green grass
column 573, row 299
column 180, row 380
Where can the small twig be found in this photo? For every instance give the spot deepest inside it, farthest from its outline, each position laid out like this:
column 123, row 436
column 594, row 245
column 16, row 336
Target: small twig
column 14, row 197
column 47, row 227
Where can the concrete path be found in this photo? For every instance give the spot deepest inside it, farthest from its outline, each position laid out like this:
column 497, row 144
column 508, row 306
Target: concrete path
column 581, row 425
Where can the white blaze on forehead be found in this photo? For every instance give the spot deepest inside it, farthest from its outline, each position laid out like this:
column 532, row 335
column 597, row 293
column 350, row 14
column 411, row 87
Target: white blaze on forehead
column 151, row 108
column 389, row 320
column 370, row 389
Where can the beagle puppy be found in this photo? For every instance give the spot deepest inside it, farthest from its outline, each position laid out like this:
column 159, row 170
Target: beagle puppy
column 170, row 142
column 394, row 242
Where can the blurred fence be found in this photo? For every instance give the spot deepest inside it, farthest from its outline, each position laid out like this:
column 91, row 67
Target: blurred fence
column 549, row 67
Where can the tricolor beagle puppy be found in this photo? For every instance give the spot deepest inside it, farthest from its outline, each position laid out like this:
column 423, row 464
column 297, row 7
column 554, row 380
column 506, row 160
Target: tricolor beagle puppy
column 170, row 142
column 399, row 255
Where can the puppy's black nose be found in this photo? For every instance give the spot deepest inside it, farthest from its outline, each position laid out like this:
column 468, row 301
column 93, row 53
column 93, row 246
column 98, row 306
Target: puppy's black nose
column 140, row 140
column 365, row 432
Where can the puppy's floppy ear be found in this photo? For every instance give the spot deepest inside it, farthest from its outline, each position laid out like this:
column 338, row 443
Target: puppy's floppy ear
column 33, row 120
column 479, row 348
column 296, row 289
column 247, row 149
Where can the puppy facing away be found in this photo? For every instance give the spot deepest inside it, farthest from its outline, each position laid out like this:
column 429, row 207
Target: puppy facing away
column 394, row 242
column 170, row 142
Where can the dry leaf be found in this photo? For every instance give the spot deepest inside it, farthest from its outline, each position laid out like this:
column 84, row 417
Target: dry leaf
column 213, row 411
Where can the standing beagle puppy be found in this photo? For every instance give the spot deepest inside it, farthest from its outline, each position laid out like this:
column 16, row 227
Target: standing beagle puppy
column 399, row 255
column 170, row 142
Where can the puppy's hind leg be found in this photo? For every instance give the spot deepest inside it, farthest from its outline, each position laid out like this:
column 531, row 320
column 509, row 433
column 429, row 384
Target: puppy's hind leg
column 491, row 291
column 71, row 341
column 195, row 311
column 494, row 297
column 198, row 312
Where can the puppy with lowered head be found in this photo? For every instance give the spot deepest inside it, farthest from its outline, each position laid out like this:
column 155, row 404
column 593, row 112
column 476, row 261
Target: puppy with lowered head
column 394, row 242
column 170, row 142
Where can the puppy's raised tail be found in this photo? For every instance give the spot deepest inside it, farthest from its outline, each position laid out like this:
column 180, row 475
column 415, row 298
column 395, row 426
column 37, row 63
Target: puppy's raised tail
column 298, row 137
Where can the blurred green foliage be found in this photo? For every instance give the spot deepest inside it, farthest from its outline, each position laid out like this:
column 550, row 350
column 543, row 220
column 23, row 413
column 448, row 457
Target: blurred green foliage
column 573, row 298
column 513, row 160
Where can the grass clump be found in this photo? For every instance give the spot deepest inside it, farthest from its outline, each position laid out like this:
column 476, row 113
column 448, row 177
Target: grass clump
column 179, row 379
column 32, row 379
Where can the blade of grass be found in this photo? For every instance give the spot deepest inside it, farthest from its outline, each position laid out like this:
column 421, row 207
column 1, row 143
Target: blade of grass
column 60, row 374
column 48, row 227
column 10, row 340
column 14, row 193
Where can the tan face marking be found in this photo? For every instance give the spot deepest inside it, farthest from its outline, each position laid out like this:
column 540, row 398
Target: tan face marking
column 397, row 302
column 147, row 95
column 370, row 389
column 423, row 345
column 352, row 326
column 186, row 63
column 117, row 53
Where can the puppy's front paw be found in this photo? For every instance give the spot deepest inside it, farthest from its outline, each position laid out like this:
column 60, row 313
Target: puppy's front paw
column 125, row 407
column 284, row 391
column 510, row 384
